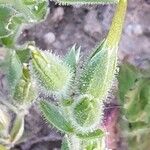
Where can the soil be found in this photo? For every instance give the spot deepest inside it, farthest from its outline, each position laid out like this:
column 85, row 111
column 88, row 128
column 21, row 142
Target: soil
column 85, row 26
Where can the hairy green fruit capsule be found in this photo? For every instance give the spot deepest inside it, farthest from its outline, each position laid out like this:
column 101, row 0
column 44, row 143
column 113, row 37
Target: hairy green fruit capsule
column 86, row 113
column 100, row 70
column 51, row 73
column 71, row 2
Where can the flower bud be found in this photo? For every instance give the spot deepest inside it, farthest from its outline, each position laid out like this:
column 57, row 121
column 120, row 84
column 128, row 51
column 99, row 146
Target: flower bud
column 86, row 112
column 51, row 73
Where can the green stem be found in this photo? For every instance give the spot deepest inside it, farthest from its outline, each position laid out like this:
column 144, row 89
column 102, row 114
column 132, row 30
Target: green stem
column 10, row 106
column 115, row 31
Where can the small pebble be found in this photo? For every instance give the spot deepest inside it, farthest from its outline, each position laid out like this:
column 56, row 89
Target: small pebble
column 49, row 38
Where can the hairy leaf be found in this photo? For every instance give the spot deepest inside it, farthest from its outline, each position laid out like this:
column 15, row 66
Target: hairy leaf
column 70, row 2
column 17, row 129
column 91, row 135
column 72, row 57
column 14, row 71
column 54, row 117
column 65, row 144
column 4, row 119
column 86, row 112
column 25, row 91
column 100, row 70
column 24, row 55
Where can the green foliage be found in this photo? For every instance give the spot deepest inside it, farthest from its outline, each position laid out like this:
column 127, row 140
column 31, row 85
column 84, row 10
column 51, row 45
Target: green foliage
column 71, row 2
column 138, row 101
column 134, row 89
column 24, row 55
column 65, row 144
column 91, row 135
column 14, row 71
column 72, row 58
column 6, row 14
column 86, row 112
column 4, row 121
column 55, row 117
column 128, row 74
column 15, row 13
column 10, row 19
column 103, row 62
column 84, row 108
column 79, row 107
column 31, row 10
column 25, row 91
column 17, row 129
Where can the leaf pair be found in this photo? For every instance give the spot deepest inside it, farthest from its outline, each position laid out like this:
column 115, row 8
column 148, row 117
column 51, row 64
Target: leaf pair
column 57, row 119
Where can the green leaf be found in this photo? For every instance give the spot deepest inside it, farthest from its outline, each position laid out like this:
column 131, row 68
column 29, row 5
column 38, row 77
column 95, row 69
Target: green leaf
column 31, row 10
column 40, row 10
column 25, row 92
column 134, row 126
column 97, row 49
column 100, row 70
column 29, row 2
column 128, row 74
column 4, row 119
column 53, row 116
column 72, row 57
column 65, row 144
column 13, row 27
column 14, row 71
column 17, row 129
column 6, row 14
column 86, row 112
column 137, row 100
column 24, row 55
column 91, row 135
column 71, row 2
